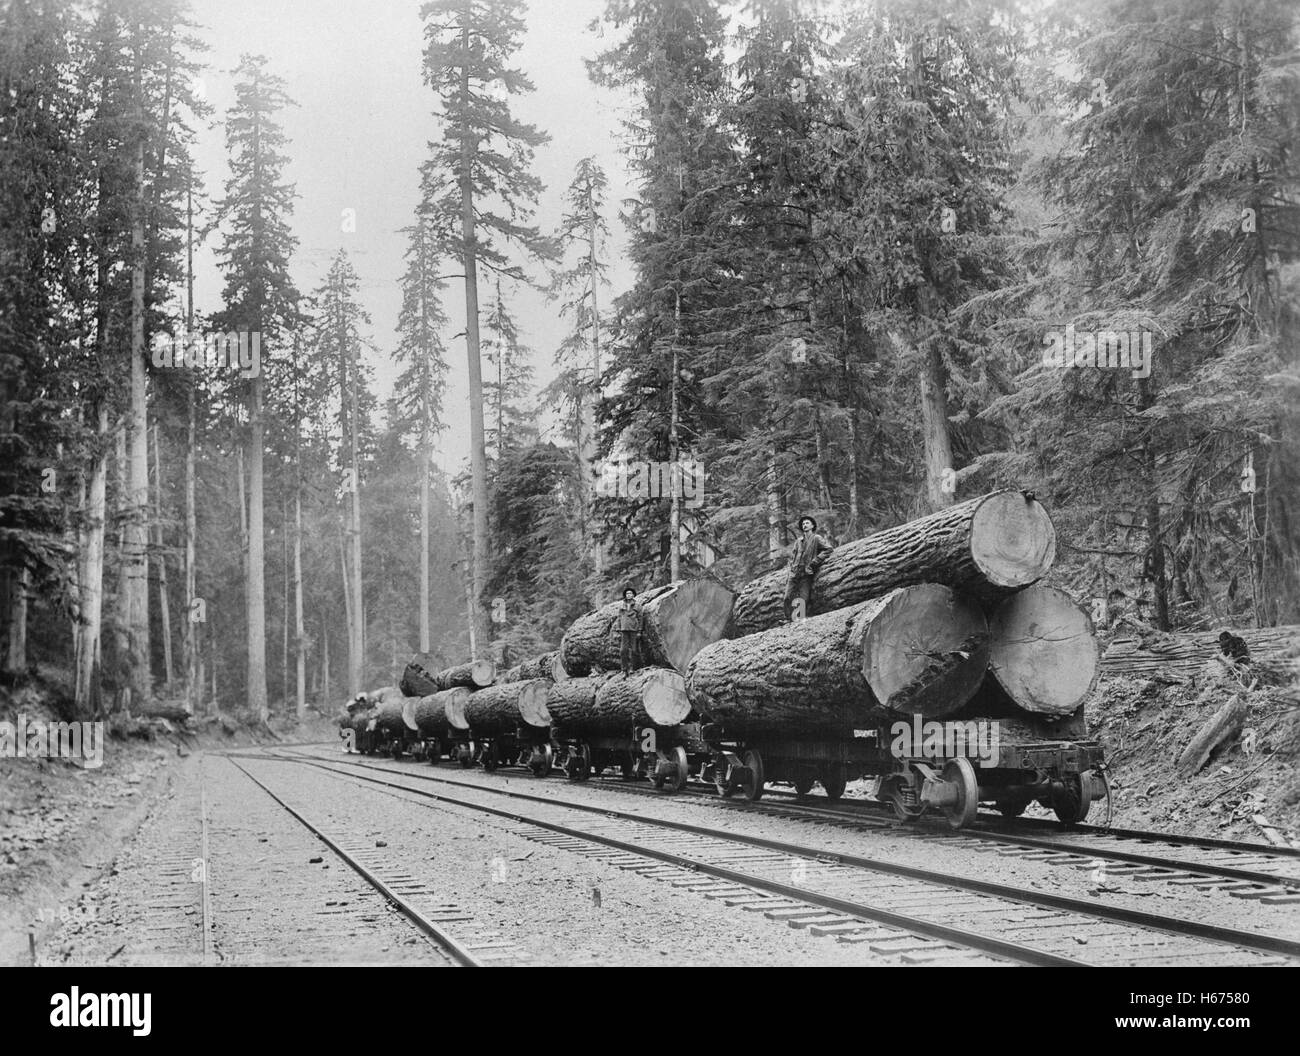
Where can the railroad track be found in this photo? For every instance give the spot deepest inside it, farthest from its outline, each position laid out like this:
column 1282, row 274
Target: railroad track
column 849, row 897
column 1246, row 871
column 449, row 927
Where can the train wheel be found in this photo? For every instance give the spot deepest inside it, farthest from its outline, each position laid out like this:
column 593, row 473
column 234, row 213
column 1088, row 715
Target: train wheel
column 490, row 760
column 542, row 761
column 577, row 766
column 466, row 755
column 628, row 770
column 834, row 781
column 682, row 769
column 962, row 774
column 802, row 786
column 752, row 786
column 1071, row 803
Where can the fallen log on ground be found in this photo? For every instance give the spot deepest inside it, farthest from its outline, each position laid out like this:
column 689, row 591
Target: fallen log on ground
column 1043, row 652
column 611, row 705
column 428, row 714
column 545, row 666
column 495, row 711
column 421, row 677
column 678, row 620
column 172, row 710
column 1222, row 726
column 1188, row 652
column 987, row 547
column 918, row 650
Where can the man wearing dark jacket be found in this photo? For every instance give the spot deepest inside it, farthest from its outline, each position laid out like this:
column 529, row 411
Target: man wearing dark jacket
column 810, row 550
column 629, row 626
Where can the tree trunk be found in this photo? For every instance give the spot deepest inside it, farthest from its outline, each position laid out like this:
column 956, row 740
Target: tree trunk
column 16, row 654
column 990, row 546
column 422, row 677
column 358, row 655
column 299, row 621
column 934, row 424
column 478, row 444
column 164, row 603
column 678, row 621
column 775, row 544
column 612, row 705
column 256, row 592
column 135, row 538
column 190, row 648
column 90, row 578
column 1043, row 651
column 921, row 650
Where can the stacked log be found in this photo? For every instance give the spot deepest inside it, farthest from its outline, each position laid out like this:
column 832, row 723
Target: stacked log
column 386, row 713
column 428, row 714
column 423, row 677
column 988, row 547
column 921, row 649
column 545, row 666
column 1043, row 654
column 612, row 705
column 678, row 621
column 495, row 711
column 1187, row 653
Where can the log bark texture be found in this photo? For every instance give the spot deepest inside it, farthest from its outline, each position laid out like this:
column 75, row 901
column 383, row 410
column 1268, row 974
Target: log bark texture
column 495, row 711
column 1043, row 651
column 612, row 705
column 918, row 650
column 987, row 547
column 678, row 621
column 545, row 666
column 421, row 677
column 1188, row 653
column 1222, row 726
column 428, row 714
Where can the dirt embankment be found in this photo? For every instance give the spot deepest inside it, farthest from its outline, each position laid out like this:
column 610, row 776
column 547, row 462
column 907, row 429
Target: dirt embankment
column 1248, row 789
column 62, row 823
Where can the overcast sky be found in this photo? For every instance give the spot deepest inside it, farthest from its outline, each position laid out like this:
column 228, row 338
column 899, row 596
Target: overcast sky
column 361, row 130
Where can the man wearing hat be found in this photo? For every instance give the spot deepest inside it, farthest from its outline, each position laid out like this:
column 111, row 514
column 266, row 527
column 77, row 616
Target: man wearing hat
column 810, row 550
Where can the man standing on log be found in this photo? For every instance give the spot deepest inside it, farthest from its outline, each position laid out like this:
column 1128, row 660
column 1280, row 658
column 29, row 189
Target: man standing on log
column 810, row 550
column 629, row 627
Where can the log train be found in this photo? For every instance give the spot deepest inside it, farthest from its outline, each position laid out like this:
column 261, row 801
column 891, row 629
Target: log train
column 932, row 660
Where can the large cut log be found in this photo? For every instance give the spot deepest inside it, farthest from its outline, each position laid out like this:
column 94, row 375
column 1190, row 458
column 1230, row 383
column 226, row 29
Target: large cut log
column 422, row 677
column 611, row 705
column 428, row 714
column 388, row 718
column 679, row 620
column 988, row 547
column 1043, row 651
column 918, row 650
column 545, row 666
column 1188, row 652
column 495, row 711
